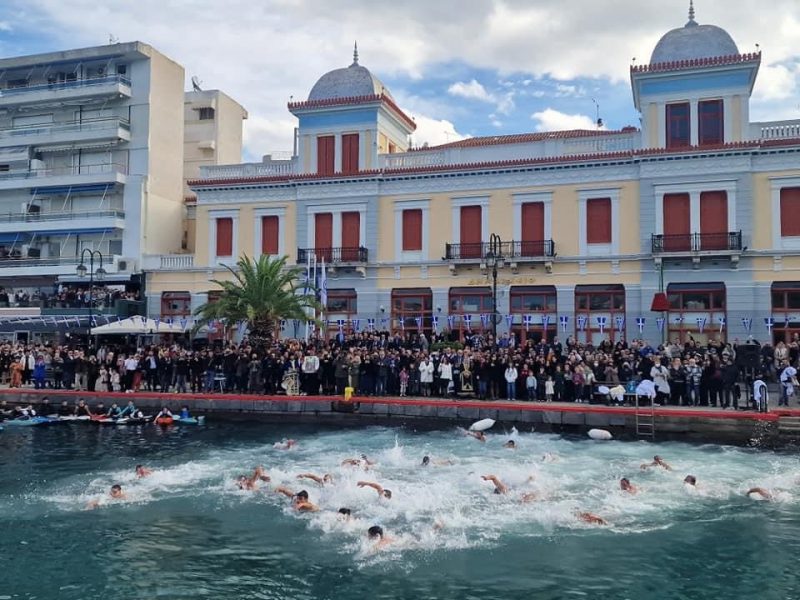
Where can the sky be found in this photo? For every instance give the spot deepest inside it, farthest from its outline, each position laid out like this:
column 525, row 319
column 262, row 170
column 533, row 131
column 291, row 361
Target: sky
column 460, row 68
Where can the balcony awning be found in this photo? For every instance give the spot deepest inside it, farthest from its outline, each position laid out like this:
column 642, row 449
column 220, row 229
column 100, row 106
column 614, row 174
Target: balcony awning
column 59, row 190
column 13, row 237
column 76, row 231
column 75, row 146
column 12, row 150
column 712, row 286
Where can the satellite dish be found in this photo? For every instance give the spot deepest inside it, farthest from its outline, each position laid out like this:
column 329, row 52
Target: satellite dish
column 196, row 84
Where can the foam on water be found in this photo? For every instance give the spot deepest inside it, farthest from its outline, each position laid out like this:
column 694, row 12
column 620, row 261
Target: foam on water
column 447, row 505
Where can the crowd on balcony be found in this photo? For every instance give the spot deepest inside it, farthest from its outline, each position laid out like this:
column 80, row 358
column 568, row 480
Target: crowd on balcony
column 66, row 296
column 378, row 364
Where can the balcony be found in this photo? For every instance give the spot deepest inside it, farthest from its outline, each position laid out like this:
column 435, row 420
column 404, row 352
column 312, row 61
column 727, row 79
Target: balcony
column 19, row 266
column 73, row 133
column 510, row 251
column 52, row 223
column 66, row 176
column 112, row 86
column 698, row 245
column 334, row 256
column 168, row 262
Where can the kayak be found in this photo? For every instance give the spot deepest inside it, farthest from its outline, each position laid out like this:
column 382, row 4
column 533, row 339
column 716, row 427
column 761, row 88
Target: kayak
column 73, row 419
column 165, row 421
column 132, row 420
column 28, row 422
column 191, row 420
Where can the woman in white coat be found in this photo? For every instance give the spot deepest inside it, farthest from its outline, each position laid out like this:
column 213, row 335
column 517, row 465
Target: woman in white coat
column 445, row 375
column 511, row 381
column 660, row 375
column 426, row 376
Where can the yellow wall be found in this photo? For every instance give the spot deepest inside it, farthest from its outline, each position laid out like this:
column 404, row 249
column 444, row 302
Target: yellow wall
column 762, row 207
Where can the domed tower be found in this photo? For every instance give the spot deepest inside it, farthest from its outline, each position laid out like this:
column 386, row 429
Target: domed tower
column 696, row 89
column 349, row 118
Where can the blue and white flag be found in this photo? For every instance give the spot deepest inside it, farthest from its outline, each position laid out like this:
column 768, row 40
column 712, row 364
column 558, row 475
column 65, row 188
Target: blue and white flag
column 640, row 321
column 295, row 324
column 747, row 323
column 451, row 321
column 581, row 322
column 509, row 321
column 403, row 323
column 435, row 322
column 660, row 323
column 94, row 321
column 545, row 321
column 769, row 323
column 157, row 321
column 721, row 321
column 184, row 323
column 620, row 321
column 340, row 324
column 678, row 319
column 468, row 321
column 701, row 324
column 528, row 321
column 283, row 324
column 564, row 322
column 601, row 324
column 384, row 322
column 418, row 321
column 371, row 324
column 356, row 324
column 484, row 320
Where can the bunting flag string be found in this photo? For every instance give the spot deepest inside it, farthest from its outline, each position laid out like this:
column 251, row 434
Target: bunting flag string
column 601, row 324
column 747, row 323
column 581, row 322
column 721, row 321
column 640, row 321
column 509, row 321
column 564, row 321
column 660, row 324
column 435, row 322
column 528, row 321
column 769, row 323
column 701, row 324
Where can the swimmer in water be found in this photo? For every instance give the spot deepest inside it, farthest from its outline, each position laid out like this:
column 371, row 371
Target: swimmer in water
column 251, row 483
column 325, row 479
column 549, row 457
column 499, row 486
column 760, row 492
column 382, row 492
column 115, row 493
column 591, row 518
column 478, row 435
column 285, row 444
column 375, row 534
column 657, row 462
column 510, row 444
column 300, row 500
column 142, row 471
column 358, row 462
column 345, row 514
column 626, row 486
column 690, row 480
column 427, row 462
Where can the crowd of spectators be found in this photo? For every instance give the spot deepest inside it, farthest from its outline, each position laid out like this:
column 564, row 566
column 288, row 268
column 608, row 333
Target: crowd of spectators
column 66, row 296
column 379, row 363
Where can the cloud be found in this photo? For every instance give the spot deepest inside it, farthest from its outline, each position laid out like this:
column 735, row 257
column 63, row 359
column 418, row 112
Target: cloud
column 474, row 90
column 435, row 131
column 5, row 26
column 553, row 120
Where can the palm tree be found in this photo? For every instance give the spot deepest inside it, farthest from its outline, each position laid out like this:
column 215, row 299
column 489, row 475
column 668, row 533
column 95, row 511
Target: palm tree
column 262, row 292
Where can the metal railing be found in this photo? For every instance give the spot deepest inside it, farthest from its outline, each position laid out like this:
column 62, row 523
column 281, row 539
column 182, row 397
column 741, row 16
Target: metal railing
column 61, row 171
column 37, row 217
column 70, row 127
column 63, row 85
column 177, row 261
column 8, row 262
column 730, row 241
column 333, row 256
column 516, row 250
column 247, row 170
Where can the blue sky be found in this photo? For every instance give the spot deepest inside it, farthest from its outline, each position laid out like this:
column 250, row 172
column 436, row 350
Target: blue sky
column 459, row 67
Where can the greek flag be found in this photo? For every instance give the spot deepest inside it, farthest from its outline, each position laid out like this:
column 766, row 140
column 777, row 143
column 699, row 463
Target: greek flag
column 484, row 319
column 581, row 322
column 564, row 321
column 545, row 321
column 468, row 321
column 721, row 321
column 528, row 321
column 384, row 322
column 435, row 322
column 184, row 323
column 640, row 321
column 769, row 322
column 747, row 323
column 356, row 324
column 678, row 319
column 157, row 321
column 509, row 321
column 601, row 323
column 371, row 324
column 660, row 323
column 701, row 323
column 340, row 324
column 451, row 321
column 418, row 321
column 620, row 321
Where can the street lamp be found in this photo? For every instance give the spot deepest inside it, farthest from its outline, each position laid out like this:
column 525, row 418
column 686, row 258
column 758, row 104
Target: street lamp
column 99, row 274
column 494, row 259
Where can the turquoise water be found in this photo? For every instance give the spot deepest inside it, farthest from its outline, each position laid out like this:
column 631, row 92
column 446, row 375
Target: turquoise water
column 188, row 532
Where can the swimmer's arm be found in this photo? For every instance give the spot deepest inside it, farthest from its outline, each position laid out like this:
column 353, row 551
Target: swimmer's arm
column 285, row 491
column 375, row 486
column 310, row 476
column 501, row 487
column 351, row 461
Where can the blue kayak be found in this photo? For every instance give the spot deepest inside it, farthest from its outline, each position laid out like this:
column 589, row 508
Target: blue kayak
column 190, row 420
column 28, row 421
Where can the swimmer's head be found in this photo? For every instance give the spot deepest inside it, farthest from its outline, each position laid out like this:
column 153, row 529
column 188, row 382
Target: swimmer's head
column 327, row 478
column 690, row 479
column 624, row 484
column 657, row 458
column 344, row 512
column 376, row 531
column 426, row 460
column 510, row 444
column 116, row 491
column 363, row 457
column 302, row 495
column 387, row 494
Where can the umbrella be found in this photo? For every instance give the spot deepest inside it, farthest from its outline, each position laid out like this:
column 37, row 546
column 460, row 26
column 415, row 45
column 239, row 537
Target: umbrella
column 136, row 325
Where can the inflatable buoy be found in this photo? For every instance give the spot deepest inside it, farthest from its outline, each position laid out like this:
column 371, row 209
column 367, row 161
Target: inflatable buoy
column 482, row 425
column 600, row 434
column 164, row 421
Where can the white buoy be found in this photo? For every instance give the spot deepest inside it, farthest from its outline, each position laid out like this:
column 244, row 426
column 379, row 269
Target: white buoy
column 600, row 434
column 482, row 425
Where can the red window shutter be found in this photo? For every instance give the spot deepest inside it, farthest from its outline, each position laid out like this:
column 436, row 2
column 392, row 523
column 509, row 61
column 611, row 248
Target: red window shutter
column 471, row 228
column 225, row 236
column 711, row 122
column 790, row 212
column 269, row 235
column 350, row 153
column 677, row 223
column 713, row 220
column 678, row 125
column 351, row 235
column 323, row 235
column 598, row 221
column 412, row 230
column 533, row 229
column 325, row 154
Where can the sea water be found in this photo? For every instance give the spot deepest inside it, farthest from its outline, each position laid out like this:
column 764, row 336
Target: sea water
column 188, row 531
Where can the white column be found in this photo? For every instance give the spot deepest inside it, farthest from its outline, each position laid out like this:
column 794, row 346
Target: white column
column 337, row 227
column 694, row 123
column 337, row 153
column 694, row 212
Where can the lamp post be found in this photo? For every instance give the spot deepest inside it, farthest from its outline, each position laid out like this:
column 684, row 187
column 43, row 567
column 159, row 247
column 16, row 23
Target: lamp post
column 494, row 259
column 99, row 274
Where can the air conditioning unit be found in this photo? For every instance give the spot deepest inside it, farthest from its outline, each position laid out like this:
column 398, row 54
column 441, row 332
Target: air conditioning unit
column 37, row 164
column 34, row 252
column 126, row 264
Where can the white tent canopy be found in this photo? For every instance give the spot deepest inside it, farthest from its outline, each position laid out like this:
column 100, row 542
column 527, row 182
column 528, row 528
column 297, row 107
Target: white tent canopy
column 137, row 326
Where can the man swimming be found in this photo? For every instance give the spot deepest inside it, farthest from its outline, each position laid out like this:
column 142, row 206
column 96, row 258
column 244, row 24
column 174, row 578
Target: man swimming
column 251, row 483
column 427, row 462
column 115, row 493
column 142, row 471
column 344, row 514
column 499, row 486
column 358, row 462
column 591, row 518
column 300, row 500
column 478, row 435
column 376, row 534
column 690, row 480
column 626, row 486
column 327, row 478
column 759, row 493
column 657, row 462
column 382, row 492
column 285, row 444
column 510, row 444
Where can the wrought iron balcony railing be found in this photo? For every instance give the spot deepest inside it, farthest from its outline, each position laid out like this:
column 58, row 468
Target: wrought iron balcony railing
column 333, row 256
column 513, row 250
column 730, row 241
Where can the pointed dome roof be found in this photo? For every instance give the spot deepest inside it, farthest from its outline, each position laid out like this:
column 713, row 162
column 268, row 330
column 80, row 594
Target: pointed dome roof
column 693, row 41
column 349, row 82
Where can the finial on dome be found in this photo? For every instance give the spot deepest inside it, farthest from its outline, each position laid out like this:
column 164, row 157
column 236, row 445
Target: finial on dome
column 355, row 53
column 691, row 13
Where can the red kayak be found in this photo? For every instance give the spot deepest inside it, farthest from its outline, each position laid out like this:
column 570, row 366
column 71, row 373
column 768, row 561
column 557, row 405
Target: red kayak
column 164, row 421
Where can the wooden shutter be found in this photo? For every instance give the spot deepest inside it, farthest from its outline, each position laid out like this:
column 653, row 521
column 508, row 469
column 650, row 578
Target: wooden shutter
column 225, row 236
column 350, row 153
column 598, row 221
column 471, row 227
column 677, row 223
column 790, row 212
column 713, row 220
column 412, row 230
column 351, row 235
column 323, row 235
column 533, row 229
column 325, row 154
column 269, row 235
